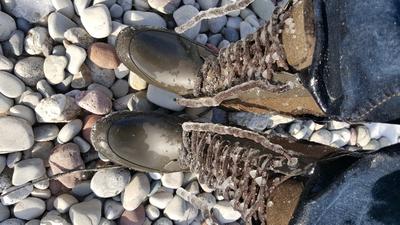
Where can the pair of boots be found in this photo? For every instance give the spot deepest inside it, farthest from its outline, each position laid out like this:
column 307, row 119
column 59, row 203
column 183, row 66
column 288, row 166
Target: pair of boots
column 327, row 58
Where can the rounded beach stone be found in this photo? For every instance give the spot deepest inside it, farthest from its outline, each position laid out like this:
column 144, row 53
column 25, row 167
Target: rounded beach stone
column 167, row 7
column 110, row 183
column 28, row 170
column 113, row 209
column 163, row 98
column 5, row 104
column 321, row 136
column 172, row 180
column 136, row 191
column 7, row 26
column 6, row 64
column 69, row 131
column 180, row 211
column 23, row 112
column 88, row 212
column 103, row 55
column 225, row 213
column 135, row 217
column 29, row 208
column 38, row 41
column 16, row 134
column 10, row 85
column 67, row 157
column 140, row 18
column 94, row 101
column 64, row 6
column 54, row 67
column 30, row 70
column 4, row 212
column 363, row 135
column 185, row 13
column 105, row 77
column 97, row 21
column 13, row 158
column 152, row 212
column 45, row 132
column 120, row 88
column 63, row 202
column 53, row 219
column 163, row 221
column 161, row 199
column 116, row 11
column 58, row 24
column 83, row 145
column 136, row 82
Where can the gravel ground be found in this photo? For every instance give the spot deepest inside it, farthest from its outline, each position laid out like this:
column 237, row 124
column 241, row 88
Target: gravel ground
column 59, row 73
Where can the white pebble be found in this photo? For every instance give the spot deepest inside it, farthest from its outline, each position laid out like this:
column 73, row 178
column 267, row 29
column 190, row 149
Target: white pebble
column 29, row 208
column 110, row 183
column 69, row 131
column 139, row 18
column 136, row 191
column 63, row 202
column 54, row 67
column 163, row 98
column 225, row 213
column 58, row 24
column 97, row 21
column 152, row 212
column 113, row 209
column 161, row 199
column 76, row 56
column 172, row 180
column 10, row 85
column 84, row 213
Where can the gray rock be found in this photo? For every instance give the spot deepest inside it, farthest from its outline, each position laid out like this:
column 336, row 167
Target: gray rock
column 215, row 39
column 206, row 4
column 46, row 132
column 230, row 34
column 139, row 103
column 58, row 24
column 88, row 212
column 79, row 37
column 246, row 12
column 10, row 85
column 141, row 5
column 125, row 4
column 17, row 134
column 69, row 131
column 15, row 45
column 29, row 208
column 185, row 13
column 340, row 138
column 82, row 189
column 234, row 22
column 23, row 112
column 108, row 3
column 167, row 7
column 30, row 70
column 216, row 24
column 44, row 88
column 30, row 99
column 161, row 199
column 163, row 98
column 152, row 212
column 112, row 209
column 28, row 170
column 84, row 146
column 5, row 103
column 13, row 158
column 3, row 164
column 97, row 21
column 252, row 20
column 51, row 219
column 245, row 29
column 116, row 11
column 110, row 183
column 139, row 18
column 202, row 38
column 64, row 202
column 23, row 24
column 121, row 71
column 82, row 79
column 12, row 221
column 65, row 7
column 6, row 64
column 33, row 222
column 38, row 41
column 31, row 10
column 7, row 26
column 263, row 8
column 42, row 150
column 180, row 211
column 120, row 88
column 101, row 88
column 223, row 44
column 105, row 77
column 56, row 109
column 58, row 50
column 16, row 195
column 4, row 212
column 136, row 191
column 163, row 221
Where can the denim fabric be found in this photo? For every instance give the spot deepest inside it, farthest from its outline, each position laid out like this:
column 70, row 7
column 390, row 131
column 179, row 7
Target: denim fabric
column 355, row 74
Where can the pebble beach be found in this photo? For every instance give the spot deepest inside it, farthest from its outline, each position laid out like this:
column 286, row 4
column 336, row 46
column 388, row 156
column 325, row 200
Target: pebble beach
column 59, row 74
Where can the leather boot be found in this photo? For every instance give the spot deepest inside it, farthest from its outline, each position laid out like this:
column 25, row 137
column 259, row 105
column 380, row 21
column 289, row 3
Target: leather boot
column 336, row 59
